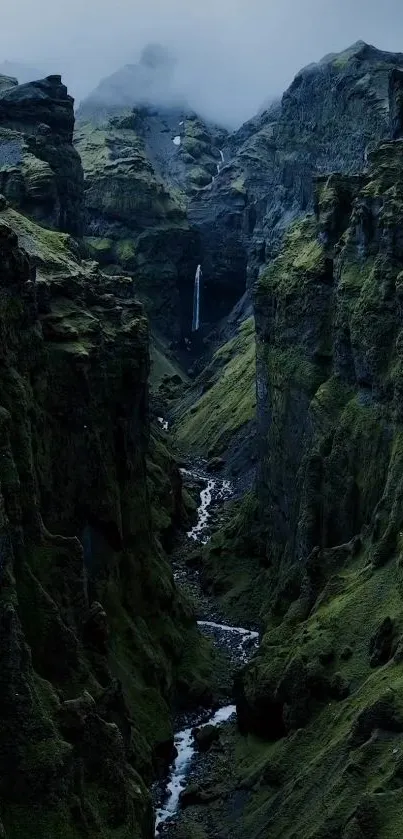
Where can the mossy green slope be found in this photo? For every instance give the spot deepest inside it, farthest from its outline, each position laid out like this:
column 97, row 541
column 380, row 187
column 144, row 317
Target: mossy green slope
column 222, row 401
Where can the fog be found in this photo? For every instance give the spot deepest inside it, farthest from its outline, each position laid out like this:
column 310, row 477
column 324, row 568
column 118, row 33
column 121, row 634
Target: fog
column 231, row 55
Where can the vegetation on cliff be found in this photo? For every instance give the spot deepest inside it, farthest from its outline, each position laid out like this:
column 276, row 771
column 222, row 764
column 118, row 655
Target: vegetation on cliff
column 323, row 693
column 96, row 646
column 136, row 224
column 221, row 402
column 87, row 689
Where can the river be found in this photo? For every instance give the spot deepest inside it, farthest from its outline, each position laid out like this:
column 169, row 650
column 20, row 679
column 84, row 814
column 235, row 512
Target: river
column 239, row 643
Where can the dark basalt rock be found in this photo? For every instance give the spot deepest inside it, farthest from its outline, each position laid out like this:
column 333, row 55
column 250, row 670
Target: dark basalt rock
column 7, row 82
column 40, row 171
column 28, row 106
column 206, row 736
column 74, row 439
column 382, row 643
column 386, row 713
column 96, row 630
column 396, row 103
column 197, row 794
column 73, row 716
column 271, row 163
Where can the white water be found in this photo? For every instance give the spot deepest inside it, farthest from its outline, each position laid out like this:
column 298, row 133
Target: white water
column 222, row 491
column 220, row 165
column 246, row 633
column 163, row 423
column 184, row 743
column 176, row 141
column 248, row 640
column 196, row 300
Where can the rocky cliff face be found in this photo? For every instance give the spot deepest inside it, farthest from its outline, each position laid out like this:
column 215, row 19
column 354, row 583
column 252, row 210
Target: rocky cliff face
column 333, row 113
column 93, row 631
column 324, row 690
column 136, row 223
column 145, row 154
column 40, row 171
column 93, row 627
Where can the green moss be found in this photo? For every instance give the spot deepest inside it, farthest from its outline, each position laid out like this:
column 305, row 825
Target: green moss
column 100, row 249
column 231, row 567
column 199, row 176
column 50, row 250
column 302, row 260
column 238, row 185
column 289, row 368
column 163, row 366
column 315, row 766
column 126, row 252
column 229, row 400
column 54, row 821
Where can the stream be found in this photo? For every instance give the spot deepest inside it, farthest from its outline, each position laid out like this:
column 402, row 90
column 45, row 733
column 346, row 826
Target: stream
column 239, row 643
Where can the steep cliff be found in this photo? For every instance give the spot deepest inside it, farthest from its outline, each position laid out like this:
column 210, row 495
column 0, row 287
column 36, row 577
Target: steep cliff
column 136, row 223
column 40, row 171
column 328, row 119
column 96, row 646
column 324, row 691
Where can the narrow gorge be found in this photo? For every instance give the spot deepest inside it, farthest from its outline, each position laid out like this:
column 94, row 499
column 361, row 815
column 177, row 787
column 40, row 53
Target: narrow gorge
column 201, row 459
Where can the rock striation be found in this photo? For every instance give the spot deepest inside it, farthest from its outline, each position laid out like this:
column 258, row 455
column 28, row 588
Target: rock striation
column 330, row 117
column 95, row 639
column 324, row 690
column 135, row 223
column 40, row 171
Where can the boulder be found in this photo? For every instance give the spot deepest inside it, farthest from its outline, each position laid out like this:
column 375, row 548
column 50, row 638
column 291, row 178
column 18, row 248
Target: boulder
column 216, row 464
column 96, row 630
column 191, row 795
column 206, row 736
column 73, row 715
column 198, row 794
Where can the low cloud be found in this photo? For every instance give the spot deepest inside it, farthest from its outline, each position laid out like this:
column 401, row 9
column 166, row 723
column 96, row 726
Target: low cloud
column 231, row 54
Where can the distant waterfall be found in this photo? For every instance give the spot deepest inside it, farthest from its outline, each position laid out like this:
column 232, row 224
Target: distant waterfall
column 219, row 165
column 196, row 300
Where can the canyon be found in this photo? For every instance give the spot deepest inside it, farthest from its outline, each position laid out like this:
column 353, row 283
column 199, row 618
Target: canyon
column 201, row 497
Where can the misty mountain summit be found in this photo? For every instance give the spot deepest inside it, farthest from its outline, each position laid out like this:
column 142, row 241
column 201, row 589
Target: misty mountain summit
column 150, row 82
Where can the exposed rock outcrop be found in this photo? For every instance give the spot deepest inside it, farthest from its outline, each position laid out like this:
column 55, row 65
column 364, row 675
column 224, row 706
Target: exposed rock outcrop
column 333, row 113
column 40, row 171
column 135, row 224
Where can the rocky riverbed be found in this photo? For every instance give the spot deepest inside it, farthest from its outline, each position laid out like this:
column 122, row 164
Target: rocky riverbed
column 198, row 744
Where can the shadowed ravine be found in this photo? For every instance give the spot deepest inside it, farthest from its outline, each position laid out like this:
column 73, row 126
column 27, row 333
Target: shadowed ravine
column 237, row 642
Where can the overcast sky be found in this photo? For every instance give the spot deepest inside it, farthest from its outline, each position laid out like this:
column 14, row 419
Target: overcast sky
column 233, row 54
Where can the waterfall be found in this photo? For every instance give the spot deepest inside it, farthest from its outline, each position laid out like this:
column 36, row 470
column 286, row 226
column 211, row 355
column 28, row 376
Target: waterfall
column 219, row 165
column 196, row 300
